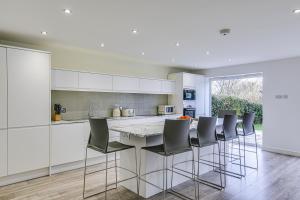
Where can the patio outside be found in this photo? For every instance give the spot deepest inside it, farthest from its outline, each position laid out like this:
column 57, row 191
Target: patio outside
column 243, row 94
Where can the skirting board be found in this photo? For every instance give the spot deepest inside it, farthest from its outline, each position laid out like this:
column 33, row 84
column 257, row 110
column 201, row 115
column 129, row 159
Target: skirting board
column 7, row 180
column 281, row 151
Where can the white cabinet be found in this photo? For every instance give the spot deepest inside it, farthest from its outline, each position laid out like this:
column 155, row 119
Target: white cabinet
column 3, row 89
column 67, row 143
column 3, row 153
column 150, row 86
column 168, row 86
column 125, row 84
column 95, row 82
column 28, row 149
column 189, row 80
column 29, row 88
column 63, row 79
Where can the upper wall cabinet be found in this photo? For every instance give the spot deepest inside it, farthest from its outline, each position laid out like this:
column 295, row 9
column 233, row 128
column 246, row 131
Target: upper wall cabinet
column 95, row 82
column 189, row 80
column 150, row 85
column 168, row 86
column 85, row 81
column 125, row 84
column 29, row 88
column 64, row 79
column 3, row 89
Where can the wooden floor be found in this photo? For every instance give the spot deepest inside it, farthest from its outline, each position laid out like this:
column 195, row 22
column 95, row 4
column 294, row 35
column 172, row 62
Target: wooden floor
column 278, row 178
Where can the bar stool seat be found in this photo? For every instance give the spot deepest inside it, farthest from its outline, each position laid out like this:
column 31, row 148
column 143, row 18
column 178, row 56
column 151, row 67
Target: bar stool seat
column 223, row 138
column 198, row 143
column 159, row 149
column 112, row 147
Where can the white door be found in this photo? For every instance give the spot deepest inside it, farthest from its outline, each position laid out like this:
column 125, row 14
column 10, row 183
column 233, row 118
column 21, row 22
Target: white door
column 28, row 149
column 29, row 88
column 125, row 84
column 150, row 86
column 3, row 153
column 67, row 143
column 3, row 89
column 63, row 79
column 168, row 87
column 95, row 82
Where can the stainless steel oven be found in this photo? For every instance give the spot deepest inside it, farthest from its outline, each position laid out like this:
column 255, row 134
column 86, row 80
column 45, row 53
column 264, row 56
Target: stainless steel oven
column 189, row 94
column 189, row 112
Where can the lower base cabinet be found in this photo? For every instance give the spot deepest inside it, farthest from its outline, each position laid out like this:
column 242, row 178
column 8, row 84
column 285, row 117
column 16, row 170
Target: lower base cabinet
column 67, row 143
column 28, row 149
column 3, row 153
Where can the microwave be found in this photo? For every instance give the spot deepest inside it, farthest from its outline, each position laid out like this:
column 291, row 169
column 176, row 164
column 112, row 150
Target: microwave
column 166, row 109
column 189, row 94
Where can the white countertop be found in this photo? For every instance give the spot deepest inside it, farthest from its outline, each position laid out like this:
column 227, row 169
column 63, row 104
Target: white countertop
column 115, row 118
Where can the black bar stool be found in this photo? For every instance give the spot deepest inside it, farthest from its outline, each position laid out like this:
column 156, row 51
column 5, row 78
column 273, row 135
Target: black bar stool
column 206, row 136
column 229, row 133
column 248, row 130
column 176, row 140
column 99, row 141
column 222, row 113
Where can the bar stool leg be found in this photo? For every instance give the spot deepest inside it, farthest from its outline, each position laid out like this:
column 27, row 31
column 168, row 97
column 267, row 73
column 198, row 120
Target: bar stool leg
column 256, row 151
column 84, row 173
column 219, row 149
column 240, row 158
column 106, row 163
column 164, row 192
column 224, row 157
column 196, row 185
column 137, row 175
column 214, row 157
column 116, row 169
column 244, row 139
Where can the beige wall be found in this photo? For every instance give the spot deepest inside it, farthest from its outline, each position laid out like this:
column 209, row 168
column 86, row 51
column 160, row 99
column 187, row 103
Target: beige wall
column 68, row 57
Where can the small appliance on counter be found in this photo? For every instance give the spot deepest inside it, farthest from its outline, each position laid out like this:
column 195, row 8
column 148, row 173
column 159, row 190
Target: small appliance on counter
column 166, row 109
column 58, row 109
column 128, row 112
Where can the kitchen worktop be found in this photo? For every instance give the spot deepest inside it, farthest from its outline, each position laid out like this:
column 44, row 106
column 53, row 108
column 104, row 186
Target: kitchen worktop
column 116, row 118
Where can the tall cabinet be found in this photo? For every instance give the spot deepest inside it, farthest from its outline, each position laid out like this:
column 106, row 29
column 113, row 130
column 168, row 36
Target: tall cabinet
column 26, row 100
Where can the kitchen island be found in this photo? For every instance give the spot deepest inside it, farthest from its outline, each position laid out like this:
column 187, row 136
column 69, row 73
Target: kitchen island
column 149, row 134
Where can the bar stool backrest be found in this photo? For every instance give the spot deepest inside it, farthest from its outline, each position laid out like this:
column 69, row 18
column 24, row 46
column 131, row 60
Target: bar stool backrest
column 206, row 129
column 176, row 136
column 99, row 135
column 248, row 123
column 229, row 126
column 222, row 113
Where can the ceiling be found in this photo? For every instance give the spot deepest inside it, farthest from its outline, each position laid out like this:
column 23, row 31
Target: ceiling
column 260, row 29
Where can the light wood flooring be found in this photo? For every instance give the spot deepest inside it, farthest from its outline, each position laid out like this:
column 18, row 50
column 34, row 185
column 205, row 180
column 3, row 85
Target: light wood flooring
column 278, row 178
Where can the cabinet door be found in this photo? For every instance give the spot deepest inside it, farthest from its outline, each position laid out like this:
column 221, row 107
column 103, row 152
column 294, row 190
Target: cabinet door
column 28, row 149
column 95, row 82
column 189, row 80
column 3, row 153
column 62, row 79
column 67, row 143
column 168, row 87
column 29, row 88
column 125, row 84
column 3, row 89
column 150, row 86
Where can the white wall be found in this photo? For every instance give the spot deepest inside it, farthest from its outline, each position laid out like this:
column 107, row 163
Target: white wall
column 281, row 116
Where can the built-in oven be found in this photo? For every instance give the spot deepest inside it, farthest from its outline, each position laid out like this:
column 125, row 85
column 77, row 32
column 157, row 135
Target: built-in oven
column 189, row 112
column 189, row 94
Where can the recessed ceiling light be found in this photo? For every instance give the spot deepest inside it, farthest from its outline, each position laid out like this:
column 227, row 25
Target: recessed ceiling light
column 229, row 60
column 207, row 53
column 134, row 31
column 296, row 11
column 44, row 33
column 67, row 11
column 143, row 53
column 177, row 44
column 173, row 59
column 102, row 45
